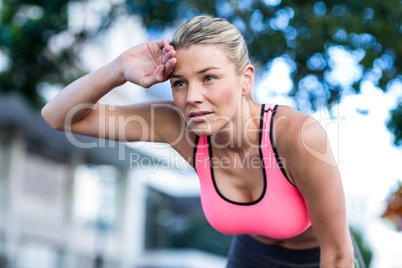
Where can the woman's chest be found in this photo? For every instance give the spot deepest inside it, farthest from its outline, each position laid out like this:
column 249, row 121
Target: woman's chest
column 239, row 178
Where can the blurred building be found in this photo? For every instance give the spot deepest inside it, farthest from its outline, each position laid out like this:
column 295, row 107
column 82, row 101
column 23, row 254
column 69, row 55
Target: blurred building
column 73, row 201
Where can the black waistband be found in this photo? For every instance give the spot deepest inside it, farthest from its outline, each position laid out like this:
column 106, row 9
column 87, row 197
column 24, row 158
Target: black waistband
column 246, row 243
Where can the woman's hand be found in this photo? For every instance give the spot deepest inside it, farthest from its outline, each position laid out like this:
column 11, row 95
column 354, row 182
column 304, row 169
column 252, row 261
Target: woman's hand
column 148, row 63
column 76, row 108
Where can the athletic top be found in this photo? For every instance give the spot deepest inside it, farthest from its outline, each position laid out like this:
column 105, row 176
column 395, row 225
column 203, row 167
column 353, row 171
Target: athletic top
column 280, row 211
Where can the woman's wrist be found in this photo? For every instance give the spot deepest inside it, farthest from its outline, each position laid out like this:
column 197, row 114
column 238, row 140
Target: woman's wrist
column 117, row 71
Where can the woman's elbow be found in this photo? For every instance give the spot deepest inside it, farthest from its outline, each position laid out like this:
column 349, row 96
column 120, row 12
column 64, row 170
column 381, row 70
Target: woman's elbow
column 49, row 117
column 344, row 261
column 337, row 257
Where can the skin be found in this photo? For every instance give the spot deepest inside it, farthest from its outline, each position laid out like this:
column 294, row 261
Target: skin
column 203, row 79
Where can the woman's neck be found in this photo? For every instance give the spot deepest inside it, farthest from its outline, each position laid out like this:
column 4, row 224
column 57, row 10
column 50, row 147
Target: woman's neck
column 244, row 133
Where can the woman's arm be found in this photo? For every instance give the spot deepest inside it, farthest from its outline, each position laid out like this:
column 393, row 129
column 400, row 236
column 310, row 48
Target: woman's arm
column 311, row 166
column 76, row 108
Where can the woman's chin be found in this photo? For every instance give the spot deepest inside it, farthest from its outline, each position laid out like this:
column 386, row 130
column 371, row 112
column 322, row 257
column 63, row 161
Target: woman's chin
column 202, row 132
column 201, row 129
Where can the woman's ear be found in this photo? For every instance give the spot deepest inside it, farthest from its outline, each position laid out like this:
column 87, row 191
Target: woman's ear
column 248, row 80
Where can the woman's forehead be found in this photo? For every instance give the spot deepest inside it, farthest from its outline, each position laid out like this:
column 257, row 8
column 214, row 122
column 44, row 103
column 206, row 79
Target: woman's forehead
column 200, row 57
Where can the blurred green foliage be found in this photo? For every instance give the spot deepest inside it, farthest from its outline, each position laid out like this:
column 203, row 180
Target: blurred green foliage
column 395, row 124
column 365, row 250
column 25, row 30
column 301, row 31
column 38, row 47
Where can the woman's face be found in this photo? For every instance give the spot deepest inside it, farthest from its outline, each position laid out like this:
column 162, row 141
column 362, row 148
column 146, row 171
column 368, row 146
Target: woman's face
column 206, row 88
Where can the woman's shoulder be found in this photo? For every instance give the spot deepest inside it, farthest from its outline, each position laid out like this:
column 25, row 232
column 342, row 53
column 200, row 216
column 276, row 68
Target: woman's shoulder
column 290, row 113
column 300, row 140
column 289, row 119
column 297, row 131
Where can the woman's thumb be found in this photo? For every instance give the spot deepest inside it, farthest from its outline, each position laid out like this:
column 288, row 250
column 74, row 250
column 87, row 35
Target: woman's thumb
column 158, row 74
column 156, row 77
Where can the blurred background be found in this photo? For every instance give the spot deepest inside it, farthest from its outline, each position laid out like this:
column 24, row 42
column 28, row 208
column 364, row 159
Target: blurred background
column 73, row 201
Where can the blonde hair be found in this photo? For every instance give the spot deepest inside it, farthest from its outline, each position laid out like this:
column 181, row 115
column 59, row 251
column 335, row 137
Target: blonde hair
column 214, row 31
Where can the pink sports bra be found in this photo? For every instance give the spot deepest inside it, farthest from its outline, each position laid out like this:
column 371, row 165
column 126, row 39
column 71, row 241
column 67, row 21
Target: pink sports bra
column 280, row 211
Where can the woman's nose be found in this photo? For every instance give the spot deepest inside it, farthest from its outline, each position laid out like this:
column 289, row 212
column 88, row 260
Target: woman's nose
column 194, row 94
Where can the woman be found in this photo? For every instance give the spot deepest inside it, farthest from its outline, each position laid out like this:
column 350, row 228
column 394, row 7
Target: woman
column 260, row 178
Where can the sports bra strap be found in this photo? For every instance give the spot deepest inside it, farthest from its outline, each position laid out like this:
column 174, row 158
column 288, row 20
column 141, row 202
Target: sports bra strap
column 270, row 107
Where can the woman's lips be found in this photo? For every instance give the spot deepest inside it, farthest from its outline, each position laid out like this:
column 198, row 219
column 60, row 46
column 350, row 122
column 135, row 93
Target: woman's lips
column 200, row 116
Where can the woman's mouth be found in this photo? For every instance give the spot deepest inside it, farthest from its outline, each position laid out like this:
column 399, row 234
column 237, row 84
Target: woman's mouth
column 199, row 116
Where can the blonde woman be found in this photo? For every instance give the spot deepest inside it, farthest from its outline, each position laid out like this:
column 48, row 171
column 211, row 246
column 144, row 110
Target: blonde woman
column 259, row 179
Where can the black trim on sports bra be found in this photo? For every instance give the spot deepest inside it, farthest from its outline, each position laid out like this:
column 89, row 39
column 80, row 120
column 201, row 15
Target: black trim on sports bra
column 278, row 160
column 195, row 151
column 262, row 162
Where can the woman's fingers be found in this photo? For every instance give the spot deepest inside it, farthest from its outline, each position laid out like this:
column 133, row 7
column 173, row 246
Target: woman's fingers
column 161, row 74
column 168, row 47
column 168, row 50
column 169, row 55
column 144, row 72
column 168, row 60
column 156, row 77
column 169, row 66
column 162, row 43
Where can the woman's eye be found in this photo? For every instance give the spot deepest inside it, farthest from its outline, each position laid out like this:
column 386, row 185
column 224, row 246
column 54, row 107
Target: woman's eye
column 209, row 78
column 178, row 83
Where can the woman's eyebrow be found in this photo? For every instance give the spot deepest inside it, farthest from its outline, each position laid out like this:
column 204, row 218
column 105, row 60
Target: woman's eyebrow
column 207, row 69
column 199, row 72
column 176, row 76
